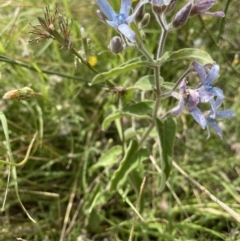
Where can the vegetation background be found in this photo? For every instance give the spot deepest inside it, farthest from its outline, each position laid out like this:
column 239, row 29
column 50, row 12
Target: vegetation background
column 61, row 186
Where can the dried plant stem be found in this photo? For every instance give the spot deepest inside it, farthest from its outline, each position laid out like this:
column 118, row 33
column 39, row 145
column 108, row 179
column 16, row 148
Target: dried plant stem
column 69, row 207
column 26, row 157
column 167, row 183
column 225, row 207
column 137, row 208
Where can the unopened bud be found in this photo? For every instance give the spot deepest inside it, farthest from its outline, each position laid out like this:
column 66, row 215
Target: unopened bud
column 145, row 21
column 116, row 45
column 170, row 6
column 140, row 14
column 83, row 33
column 182, row 16
column 89, row 43
column 85, row 46
column 202, row 6
column 101, row 15
column 159, row 6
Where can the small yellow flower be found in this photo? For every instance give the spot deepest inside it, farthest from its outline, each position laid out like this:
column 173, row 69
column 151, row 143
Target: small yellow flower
column 92, row 60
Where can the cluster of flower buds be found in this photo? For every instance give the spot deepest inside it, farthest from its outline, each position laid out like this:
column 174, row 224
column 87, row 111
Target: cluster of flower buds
column 192, row 9
column 121, row 21
column 160, row 6
column 205, row 93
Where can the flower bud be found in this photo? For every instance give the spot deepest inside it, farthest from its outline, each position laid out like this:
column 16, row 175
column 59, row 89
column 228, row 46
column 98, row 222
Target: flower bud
column 159, row 6
column 182, row 15
column 83, row 33
column 170, row 6
column 145, row 21
column 140, row 14
column 101, row 15
column 202, row 6
column 116, row 45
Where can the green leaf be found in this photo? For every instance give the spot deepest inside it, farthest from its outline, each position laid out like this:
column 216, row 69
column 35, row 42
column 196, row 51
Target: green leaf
column 141, row 110
column 127, row 200
column 192, row 54
column 189, row 53
column 147, row 83
column 167, row 85
column 118, row 70
column 166, row 135
column 128, row 96
column 93, row 198
column 94, row 221
column 109, row 119
column 8, row 146
column 109, row 158
column 132, row 157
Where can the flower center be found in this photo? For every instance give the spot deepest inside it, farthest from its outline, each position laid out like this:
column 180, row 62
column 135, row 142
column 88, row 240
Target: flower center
column 120, row 18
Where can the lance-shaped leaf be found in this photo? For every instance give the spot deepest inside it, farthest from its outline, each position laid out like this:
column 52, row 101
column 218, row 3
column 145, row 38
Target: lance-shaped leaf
column 119, row 70
column 108, row 158
column 192, row 54
column 141, row 110
column 147, row 83
column 166, row 134
column 132, row 157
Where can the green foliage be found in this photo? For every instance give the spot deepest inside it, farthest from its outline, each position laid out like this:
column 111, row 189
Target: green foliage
column 166, row 134
column 133, row 158
column 140, row 110
column 186, row 54
column 81, row 181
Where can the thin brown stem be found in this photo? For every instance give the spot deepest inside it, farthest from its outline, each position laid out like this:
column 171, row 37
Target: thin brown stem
column 225, row 207
column 137, row 208
column 26, row 157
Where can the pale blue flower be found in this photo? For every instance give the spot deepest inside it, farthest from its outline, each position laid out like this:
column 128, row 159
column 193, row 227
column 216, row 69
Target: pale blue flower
column 207, row 92
column 121, row 20
column 211, row 118
column 190, row 99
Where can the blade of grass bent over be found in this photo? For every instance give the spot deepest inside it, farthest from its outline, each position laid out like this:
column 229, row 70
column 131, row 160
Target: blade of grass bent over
column 11, row 160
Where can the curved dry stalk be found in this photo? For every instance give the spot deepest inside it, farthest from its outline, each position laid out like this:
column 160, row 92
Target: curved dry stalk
column 225, row 207
column 26, row 156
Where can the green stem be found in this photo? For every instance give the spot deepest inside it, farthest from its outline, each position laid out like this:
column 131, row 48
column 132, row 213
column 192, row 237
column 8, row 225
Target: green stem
column 157, row 71
column 62, row 41
column 163, row 36
column 75, row 52
column 144, row 51
column 6, row 59
column 121, row 126
column 184, row 75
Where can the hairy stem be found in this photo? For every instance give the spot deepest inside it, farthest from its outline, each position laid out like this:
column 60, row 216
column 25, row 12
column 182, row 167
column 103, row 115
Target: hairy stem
column 157, row 71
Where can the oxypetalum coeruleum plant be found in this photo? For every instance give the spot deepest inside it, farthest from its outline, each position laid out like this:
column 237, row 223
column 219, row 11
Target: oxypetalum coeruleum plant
column 203, row 100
